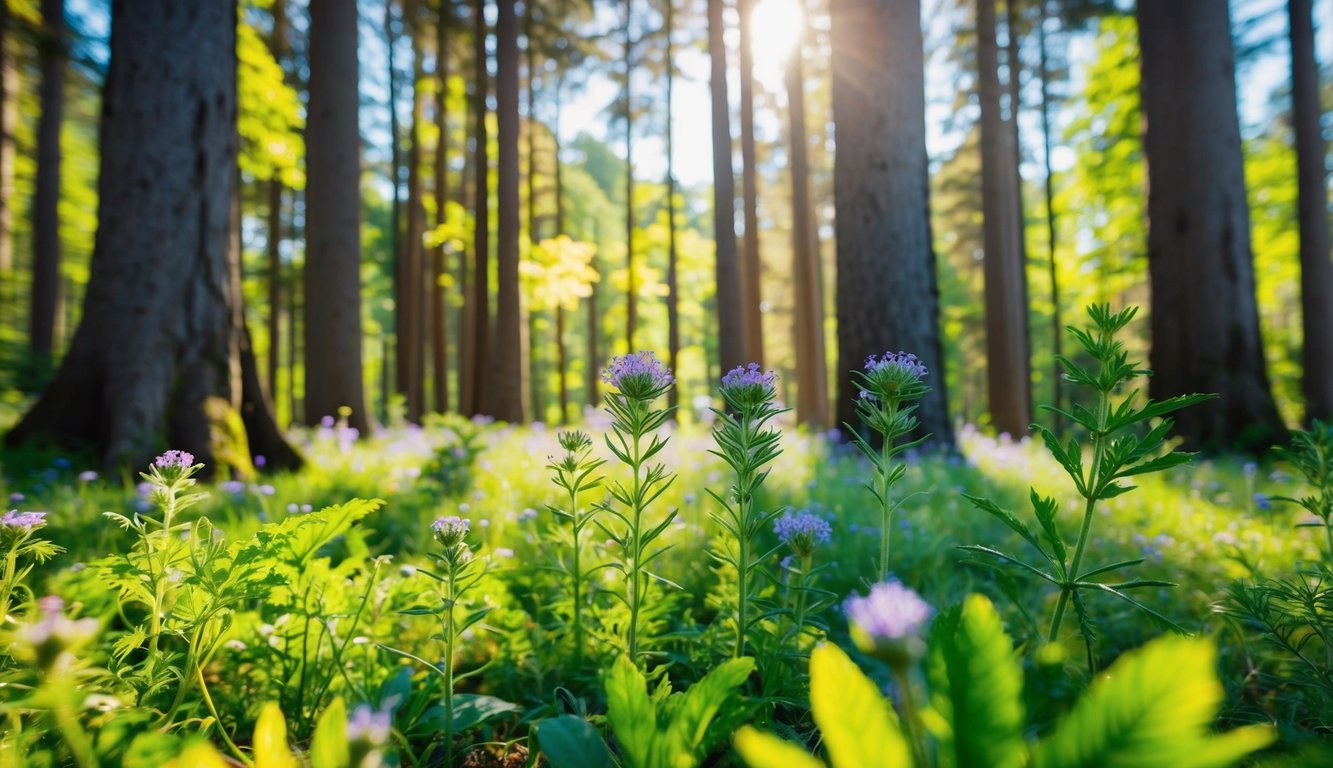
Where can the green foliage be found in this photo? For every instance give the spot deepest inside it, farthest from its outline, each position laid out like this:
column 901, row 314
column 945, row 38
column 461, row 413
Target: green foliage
column 1311, row 454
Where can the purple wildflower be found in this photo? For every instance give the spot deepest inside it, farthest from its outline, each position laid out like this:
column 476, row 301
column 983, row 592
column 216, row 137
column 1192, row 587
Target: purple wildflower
column 175, row 459
column 889, row 619
column 368, row 726
column 638, row 375
column 450, row 530
column 803, row 531
column 26, row 520
column 903, row 361
column 749, row 375
column 746, row 386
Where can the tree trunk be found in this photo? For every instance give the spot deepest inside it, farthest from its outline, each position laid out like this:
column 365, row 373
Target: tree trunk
column 9, row 101
column 887, row 295
column 439, row 309
column 508, row 384
column 730, row 320
column 594, row 357
column 561, row 361
column 160, row 270
column 396, row 256
column 751, row 268
column 673, row 281
column 1057, row 326
column 532, row 361
column 1316, row 266
column 412, row 325
column 333, row 219
column 631, row 276
column 807, row 278
column 1008, row 376
column 1205, row 323
column 480, row 392
column 278, row 46
column 46, row 195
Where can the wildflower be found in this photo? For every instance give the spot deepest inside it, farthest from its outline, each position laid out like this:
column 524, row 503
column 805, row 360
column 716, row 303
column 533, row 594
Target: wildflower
column 178, row 459
column 53, row 638
column 638, row 376
column 575, row 441
column 15, row 519
column 803, row 531
column 16, row 498
column 87, row 476
column 745, row 387
column 1262, row 501
column 450, row 531
column 892, row 377
column 888, row 621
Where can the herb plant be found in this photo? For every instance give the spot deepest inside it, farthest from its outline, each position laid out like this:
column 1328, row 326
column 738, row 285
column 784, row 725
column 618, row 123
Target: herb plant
column 574, row 474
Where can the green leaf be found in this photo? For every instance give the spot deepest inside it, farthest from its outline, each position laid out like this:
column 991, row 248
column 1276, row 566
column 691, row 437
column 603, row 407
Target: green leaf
column 572, row 742
column 976, row 689
column 329, row 749
column 632, row 717
column 1155, row 706
column 685, row 734
column 764, row 750
column 859, row 728
column 472, row 709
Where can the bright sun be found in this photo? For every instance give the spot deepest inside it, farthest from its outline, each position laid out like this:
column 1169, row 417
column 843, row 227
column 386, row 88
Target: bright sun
column 775, row 27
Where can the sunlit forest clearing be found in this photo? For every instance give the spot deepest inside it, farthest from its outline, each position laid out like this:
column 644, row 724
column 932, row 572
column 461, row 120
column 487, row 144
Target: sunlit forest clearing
column 666, row 383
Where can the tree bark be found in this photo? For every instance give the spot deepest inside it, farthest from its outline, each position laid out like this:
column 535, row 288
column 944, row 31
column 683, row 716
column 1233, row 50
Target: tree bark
column 396, row 255
column 1008, row 375
column 1057, row 326
column 45, row 304
column 412, row 326
column 1316, row 266
column 673, row 281
column 807, row 276
column 480, row 351
column 278, row 46
column 9, row 96
column 508, row 382
column 751, row 268
column 1205, row 323
column 730, row 320
column 333, row 219
column 439, row 309
column 158, row 335
column 886, row 289
column 531, row 359
column 631, row 275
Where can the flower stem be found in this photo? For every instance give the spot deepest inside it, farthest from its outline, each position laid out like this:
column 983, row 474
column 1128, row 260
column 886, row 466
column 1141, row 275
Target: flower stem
column 911, row 716
column 449, row 640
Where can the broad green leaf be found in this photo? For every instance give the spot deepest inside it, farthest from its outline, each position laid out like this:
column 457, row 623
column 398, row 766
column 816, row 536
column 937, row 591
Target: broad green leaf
column 764, row 750
column 572, row 742
column 329, row 748
column 1155, row 706
column 699, row 705
column 859, row 728
column 976, row 689
column 270, row 743
column 632, row 717
column 472, row 709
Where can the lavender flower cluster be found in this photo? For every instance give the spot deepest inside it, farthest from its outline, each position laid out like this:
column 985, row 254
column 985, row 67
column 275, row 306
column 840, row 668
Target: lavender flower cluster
column 747, row 386
column 803, row 531
column 175, row 460
column 638, row 375
column 890, row 614
column 901, row 362
column 25, row 520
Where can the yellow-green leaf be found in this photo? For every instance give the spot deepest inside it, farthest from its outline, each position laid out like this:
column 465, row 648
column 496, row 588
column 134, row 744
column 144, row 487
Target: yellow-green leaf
column 764, row 750
column 859, row 728
column 270, row 743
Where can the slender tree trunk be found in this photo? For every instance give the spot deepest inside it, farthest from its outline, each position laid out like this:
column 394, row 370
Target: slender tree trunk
column 593, row 333
column 751, row 267
column 1057, row 326
column 295, row 313
column 46, row 196
column 1205, row 322
column 160, row 274
column 532, row 361
column 807, row 279
column 412, row 318
column 395, row 224
column 631, row 276
column 730, row 320
column 439, row 308
column 481, row 394
column 1007, row 358
column 673, row 280
column 508, row 382
column 278, row 46
column 9, row 96
column 559, row 190
column 562, row 361
column 1316, row 266
column 886, row 288
column 333, row 219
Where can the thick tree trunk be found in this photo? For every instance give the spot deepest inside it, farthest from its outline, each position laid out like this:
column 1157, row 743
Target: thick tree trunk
column 751, row 268
column 730, row 320
column 9, row 101
column 160, row 275
column 886, row 289
column 807, row 276
column 1008, row 377
column 1205, row 323
column 412, row 325
column 507, row 386
column 333, row 219
column 45, row 303
column 1316, row 266
column 278, row 46
column 673, row 281
column 439, row 309
column 631, row 272
column 479, row 311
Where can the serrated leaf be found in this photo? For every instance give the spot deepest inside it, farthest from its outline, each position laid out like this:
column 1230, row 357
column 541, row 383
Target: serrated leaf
column 859, row 728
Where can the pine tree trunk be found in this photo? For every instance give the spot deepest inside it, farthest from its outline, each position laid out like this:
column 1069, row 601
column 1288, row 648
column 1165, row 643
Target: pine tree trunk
column 807, row 276
column 158, row 337
column 411, row 335
column 508, row 382
column 278, row 46
column 673, row 281
column 1057, row 326
column 730, row 320
column 1008, row 377
column 531, row 360
column 9, row 101
column 1205, row 322
column 751, row 268
column 333, row 219
column 396, row 256
column 887, row 295
column 439, row 309
column 631, row 276
column 45, row 305
column 561, row 361
column 480, row 394
column 1316, row 266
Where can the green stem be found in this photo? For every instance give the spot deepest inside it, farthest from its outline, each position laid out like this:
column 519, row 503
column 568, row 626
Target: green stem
column 7, row 584
column 886, row 516
column 636, row 525
column 67, row 722
column 212, row 710
column 911, row 716
column 743, row 505
column 577, row 577
column 449, row 640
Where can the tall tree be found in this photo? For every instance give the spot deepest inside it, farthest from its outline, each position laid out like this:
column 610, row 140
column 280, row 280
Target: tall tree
column 1205, row 323
column 1008, row 376
column 161, row 277
column 631, row 272
column 45, row 305
column 751, row 268
column 476, row 393
column 410, row 312
column 807, row 276
column 439, row 335
column 333, row 219
column 730, row 321
column 507, row 385
column 395, row 222
column 278, row 46
column 673, row 280
column 9, row 87
column 1316, row 265
column 1057, row 327
column 887, row 295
